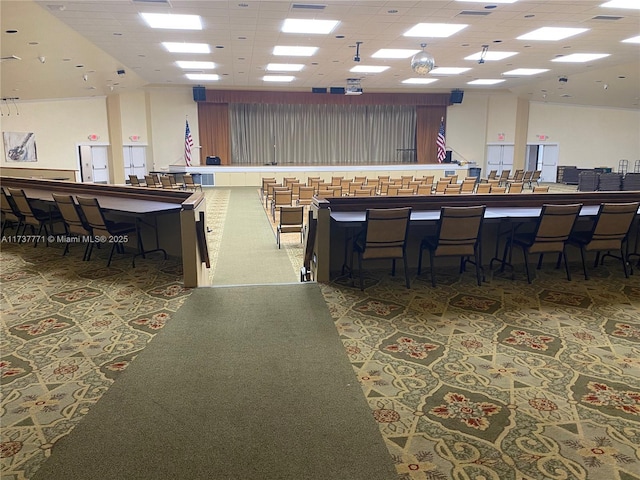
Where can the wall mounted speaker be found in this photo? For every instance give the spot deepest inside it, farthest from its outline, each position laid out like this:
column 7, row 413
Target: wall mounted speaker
column 337, row 90
column 319, row 90
column 447, row 156
column 456, row 96
column 199, row 94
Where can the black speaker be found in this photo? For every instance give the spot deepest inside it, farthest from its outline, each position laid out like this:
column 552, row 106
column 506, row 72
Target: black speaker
column 456, row 96
column 337, row 90
column 215, row 160
column 199, row 94
column 447, row 156
column 318, row 90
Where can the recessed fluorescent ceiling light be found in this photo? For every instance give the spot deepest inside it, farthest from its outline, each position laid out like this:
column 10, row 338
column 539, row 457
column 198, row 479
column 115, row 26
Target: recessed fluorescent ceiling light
column 552, row 33
column 285, row 67
column 526, row 71
column 298, row 25
column 394, row 53
column 420, row 81
column 490, row 56
column 179, row 47
column 202, row 77
column 448, row 70
column 485, row 81
column 294, row 51
column 195, row 65
column 169, row 20
column 632, row 40
column 368, row 69
column 278, row 78
column 485, row 1
column 434, row 30
column 580, row 57
column 622, row 4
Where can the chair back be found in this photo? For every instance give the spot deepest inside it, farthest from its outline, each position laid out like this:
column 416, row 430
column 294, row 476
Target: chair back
column 612, row 225
column 526, row 178
column 282, row 197
column 483, row 188
column 405, row 179
column 361, row 180
column 23, row 206
column 459, row 230
column 9, row 210
column 71, row 215
column 188, row 181
column 134, row 180
column 424, row 190
column 150, row 180
column 165, row 181
column 305, row 195
column 492, row 174
column 441, row 186
column 504, row 176
column 352, row 187
column 291, row 217
column 495, row 189
column 336, row 180
column 392, row 190
column 386, row 232
column 364, row 192
column 406, row 192
column 516, row 187
column 541, row 189
column 553, row 227
column 468, row 186
column 94, row 215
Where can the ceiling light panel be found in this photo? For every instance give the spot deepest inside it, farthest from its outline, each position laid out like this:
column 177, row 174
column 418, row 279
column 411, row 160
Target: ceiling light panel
column 440, row 30
column 632, row 40
column 285, row 67
column 419, row 81
column 552, row 33
column 180, row 47
column 448, row 70
column 196, row 65
column 487, row 1
column 485, row 81
column 580, row 57
column 294, row 51
column 299, row 25
column 368, row 69
column 394, row 53
column 278, row 78
column 202, row 77
column 633, row 4
column 526, row 71
column 172, row 21
column 490, row 56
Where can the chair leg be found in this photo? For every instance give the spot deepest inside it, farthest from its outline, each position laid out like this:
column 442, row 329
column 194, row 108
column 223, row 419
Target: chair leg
column 393, row 267
column 111, row 253
column 406, row 270
column 526, row 263
column 624, row 264
column 278, row 237
column 85, row 257
column 478, row 268
column 584, row 265
column 433, row 272
column 360, row 271
column 566, row 263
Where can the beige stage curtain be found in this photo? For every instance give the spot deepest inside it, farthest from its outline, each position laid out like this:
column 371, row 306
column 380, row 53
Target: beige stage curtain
column 311, row 134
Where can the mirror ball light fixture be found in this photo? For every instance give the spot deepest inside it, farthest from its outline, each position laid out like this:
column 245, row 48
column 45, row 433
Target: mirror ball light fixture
column 422, row 62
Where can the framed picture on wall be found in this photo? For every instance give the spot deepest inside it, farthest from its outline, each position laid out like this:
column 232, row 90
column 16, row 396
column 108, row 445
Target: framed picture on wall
column 20, row 147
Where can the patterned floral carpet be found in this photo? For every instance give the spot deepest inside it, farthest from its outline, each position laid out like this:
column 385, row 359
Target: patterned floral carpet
column 503, row 381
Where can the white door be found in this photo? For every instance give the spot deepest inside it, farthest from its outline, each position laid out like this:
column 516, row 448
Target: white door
column 548, row 163
column 135, row 161
column 500, row 157
column 94, row 163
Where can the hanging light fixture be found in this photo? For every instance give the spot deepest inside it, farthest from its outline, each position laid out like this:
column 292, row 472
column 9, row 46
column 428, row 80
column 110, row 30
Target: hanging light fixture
column 422, row 62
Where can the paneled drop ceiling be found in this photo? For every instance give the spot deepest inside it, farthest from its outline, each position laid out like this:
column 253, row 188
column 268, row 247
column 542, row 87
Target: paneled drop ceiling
column 76, row 48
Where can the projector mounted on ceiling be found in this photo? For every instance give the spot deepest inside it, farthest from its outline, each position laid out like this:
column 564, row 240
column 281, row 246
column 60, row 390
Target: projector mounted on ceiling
column 353, row 87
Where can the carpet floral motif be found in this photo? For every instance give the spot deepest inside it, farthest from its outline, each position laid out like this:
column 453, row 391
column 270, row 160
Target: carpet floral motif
column 502, row 381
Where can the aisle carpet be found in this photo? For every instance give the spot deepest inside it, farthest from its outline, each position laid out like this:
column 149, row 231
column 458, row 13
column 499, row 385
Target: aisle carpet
column 258, row 392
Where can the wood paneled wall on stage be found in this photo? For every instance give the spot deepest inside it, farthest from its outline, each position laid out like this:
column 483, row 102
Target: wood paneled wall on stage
column 215, row 130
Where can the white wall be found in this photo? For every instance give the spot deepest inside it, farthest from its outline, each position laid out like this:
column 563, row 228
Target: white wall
column 467, row 128
column 169, row 108
column 134, row 118
column 59, row 127
column 588, row 136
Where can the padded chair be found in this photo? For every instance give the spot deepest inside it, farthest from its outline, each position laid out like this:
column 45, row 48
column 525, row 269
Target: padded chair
column 75, row 224
column 10, row 213
column 504, row 176
column 515, row 187
column 483, row 188
column 541, row 189
column 392, row 190
column 361, row 180
column 336, row 180
column 281, row 198
column 468, row 186
column 151, row 181
column 305, row 196
column 550, row 235
column 291, row 221
column 189, row 184
column 116, row 232
column 492, row 175
column 442, row 185
column 452, row 189
column 269, row 195
column 384, row 237
column 458, row 235
column 424, row 190
column 166, row 183
column 495, row 189
column 406, row 192
column 535, row 177
column 364, row 192
column 135, row 181
column 265, row 182
column 405, row 179
column 609, row 232
column 33, row 216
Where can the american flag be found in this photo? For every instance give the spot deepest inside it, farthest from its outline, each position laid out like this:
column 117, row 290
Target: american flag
column 188, row 143
column 441, row 143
